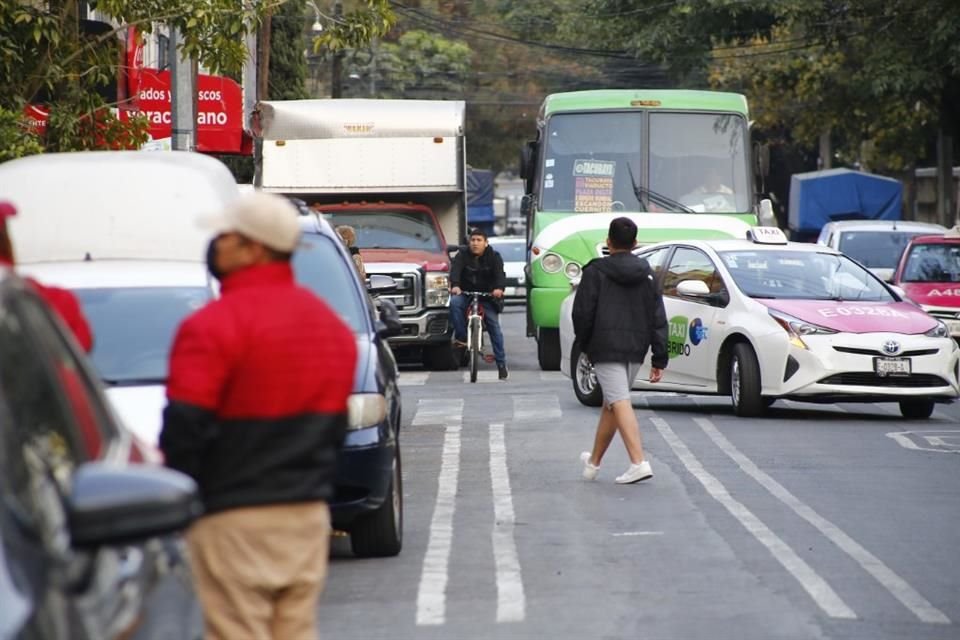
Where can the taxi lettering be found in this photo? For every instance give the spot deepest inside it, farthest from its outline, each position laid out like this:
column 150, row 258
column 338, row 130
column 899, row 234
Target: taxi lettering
column 884, row 312
column 677, row 337
column 944, row 292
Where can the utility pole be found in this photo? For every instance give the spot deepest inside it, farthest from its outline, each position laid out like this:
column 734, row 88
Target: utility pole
column 183, row 97
column 336, row 68
column 263, row 56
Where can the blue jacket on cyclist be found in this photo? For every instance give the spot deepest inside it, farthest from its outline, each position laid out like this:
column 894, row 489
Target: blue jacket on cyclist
column 479, row 268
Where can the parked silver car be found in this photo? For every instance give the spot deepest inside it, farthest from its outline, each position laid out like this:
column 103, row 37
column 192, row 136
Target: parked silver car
column 876, row 244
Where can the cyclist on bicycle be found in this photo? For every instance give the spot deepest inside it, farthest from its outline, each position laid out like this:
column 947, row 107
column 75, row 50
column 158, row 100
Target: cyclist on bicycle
column 478, row 269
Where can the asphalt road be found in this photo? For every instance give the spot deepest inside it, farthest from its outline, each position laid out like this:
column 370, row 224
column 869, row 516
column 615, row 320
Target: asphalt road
column 817, row 521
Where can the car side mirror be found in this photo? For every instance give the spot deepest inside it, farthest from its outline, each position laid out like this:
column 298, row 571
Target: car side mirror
column 379, row 283
column 693, row 289
column 389, row 324
column 114, row 505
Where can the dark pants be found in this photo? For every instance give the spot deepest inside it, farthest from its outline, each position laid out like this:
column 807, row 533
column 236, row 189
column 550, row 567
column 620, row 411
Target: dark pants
column 491, row 322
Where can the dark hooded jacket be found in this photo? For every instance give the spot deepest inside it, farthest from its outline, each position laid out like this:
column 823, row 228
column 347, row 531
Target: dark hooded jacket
column 478, row 273
column 618, row 313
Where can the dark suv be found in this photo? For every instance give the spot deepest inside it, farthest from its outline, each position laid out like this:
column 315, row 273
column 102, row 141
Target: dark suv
column 368, row 500
column 80, row 555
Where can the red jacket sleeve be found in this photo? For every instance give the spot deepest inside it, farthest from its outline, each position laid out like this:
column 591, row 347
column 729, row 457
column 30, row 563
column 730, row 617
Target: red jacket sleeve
column 68, row 308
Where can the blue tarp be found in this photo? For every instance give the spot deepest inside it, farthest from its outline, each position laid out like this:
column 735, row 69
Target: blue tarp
column 819, row 197
column 479, row 196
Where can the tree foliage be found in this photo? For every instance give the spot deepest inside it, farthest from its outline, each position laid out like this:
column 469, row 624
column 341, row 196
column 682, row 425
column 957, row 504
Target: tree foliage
column 288, row 65
column 50, row 55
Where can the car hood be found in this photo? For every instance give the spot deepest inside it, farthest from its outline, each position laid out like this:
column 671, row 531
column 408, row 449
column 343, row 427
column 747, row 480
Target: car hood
column 856, row 317
column 935, row 294
column 141, row 410
column 429, row 260
column 514, row 269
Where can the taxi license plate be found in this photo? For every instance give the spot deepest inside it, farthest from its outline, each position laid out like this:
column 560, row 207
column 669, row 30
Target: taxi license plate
column 953, row 326
column 891, row 366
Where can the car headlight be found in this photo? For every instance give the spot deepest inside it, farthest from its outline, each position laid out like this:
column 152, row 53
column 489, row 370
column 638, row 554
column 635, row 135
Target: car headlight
column 438, row 289
column 365, row 410
column 551, row 263
column 572, row 270
column 796, row 327
column 939, row 331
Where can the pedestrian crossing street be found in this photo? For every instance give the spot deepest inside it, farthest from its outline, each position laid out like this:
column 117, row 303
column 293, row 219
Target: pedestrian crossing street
column 525, row 401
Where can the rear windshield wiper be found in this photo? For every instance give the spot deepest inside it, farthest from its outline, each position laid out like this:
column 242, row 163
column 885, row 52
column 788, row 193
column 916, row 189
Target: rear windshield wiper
column 652, row 196
column 133, row 382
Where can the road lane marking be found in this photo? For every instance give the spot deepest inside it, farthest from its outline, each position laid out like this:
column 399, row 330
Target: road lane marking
column 897, row 586
column 818, row 589
column 483, row 377
column 630, row 534
column 413, row 378
column 432, row 591
column 438, row 411
column 553, row 376
column 542, row 406
column 511, row 601
column 947, row 440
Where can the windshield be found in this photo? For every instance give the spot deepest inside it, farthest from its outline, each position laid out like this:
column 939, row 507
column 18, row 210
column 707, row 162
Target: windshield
column 511, row 251
column 133, row 329
column 700, row 160
column 933, row 263
column 875, row 249
column 319, row 266
column 586, row 159
column 803, row 275
column 390, row 229
column 594, row 162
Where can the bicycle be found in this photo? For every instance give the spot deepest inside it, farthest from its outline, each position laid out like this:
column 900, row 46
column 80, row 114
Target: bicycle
column 475, row 329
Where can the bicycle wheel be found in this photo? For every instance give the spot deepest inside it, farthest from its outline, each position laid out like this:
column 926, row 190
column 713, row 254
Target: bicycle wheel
column 475, row 330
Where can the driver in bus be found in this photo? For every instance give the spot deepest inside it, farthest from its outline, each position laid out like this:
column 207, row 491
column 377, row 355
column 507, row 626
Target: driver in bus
column 712, row 195
column 711, row 184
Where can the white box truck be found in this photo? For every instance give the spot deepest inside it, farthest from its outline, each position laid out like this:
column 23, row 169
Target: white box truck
column 395, row 171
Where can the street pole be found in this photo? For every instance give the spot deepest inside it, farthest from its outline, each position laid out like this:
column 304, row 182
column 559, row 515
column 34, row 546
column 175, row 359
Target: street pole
column 336, row 68
column 183, row 97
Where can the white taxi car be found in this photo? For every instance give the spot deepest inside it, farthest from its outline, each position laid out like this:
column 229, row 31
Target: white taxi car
column 762, row 318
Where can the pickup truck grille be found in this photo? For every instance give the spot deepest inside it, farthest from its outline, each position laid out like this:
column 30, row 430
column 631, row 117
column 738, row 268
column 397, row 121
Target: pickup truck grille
column 407, row 295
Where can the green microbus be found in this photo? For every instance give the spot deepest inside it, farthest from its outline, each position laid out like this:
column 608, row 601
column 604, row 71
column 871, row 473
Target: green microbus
column 677, row 162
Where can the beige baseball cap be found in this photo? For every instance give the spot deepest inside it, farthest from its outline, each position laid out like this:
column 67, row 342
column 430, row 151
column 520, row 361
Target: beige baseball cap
column 263, row 217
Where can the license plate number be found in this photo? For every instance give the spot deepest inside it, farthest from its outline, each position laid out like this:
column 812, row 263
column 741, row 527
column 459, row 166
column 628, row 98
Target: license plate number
column 891, row 366
column 953, row 326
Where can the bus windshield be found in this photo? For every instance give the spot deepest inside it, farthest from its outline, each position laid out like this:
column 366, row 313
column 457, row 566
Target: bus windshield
column 689, row 162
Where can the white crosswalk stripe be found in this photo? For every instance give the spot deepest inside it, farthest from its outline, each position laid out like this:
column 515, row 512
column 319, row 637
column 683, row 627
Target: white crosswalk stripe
column 542, row 406
column 483, row 377
column 413, row 378
column 438, row 411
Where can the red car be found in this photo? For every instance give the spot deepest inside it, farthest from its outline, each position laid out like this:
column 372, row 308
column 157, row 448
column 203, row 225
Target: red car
column 929, row 275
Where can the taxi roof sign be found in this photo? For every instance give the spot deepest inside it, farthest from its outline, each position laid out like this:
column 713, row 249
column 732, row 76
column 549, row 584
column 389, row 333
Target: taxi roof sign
column 766, row 235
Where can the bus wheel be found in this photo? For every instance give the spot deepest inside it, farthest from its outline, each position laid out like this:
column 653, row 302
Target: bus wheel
column 548, row 349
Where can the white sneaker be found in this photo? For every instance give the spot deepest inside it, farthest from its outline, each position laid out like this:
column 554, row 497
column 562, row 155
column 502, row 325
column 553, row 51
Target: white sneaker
column 635, row 473
column 590, row 471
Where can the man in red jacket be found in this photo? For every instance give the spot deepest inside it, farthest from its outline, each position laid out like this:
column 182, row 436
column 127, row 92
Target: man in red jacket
column 60, row 300
column 257, row 410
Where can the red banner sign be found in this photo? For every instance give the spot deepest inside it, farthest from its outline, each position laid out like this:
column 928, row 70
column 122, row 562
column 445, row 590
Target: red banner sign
column 219, row 111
